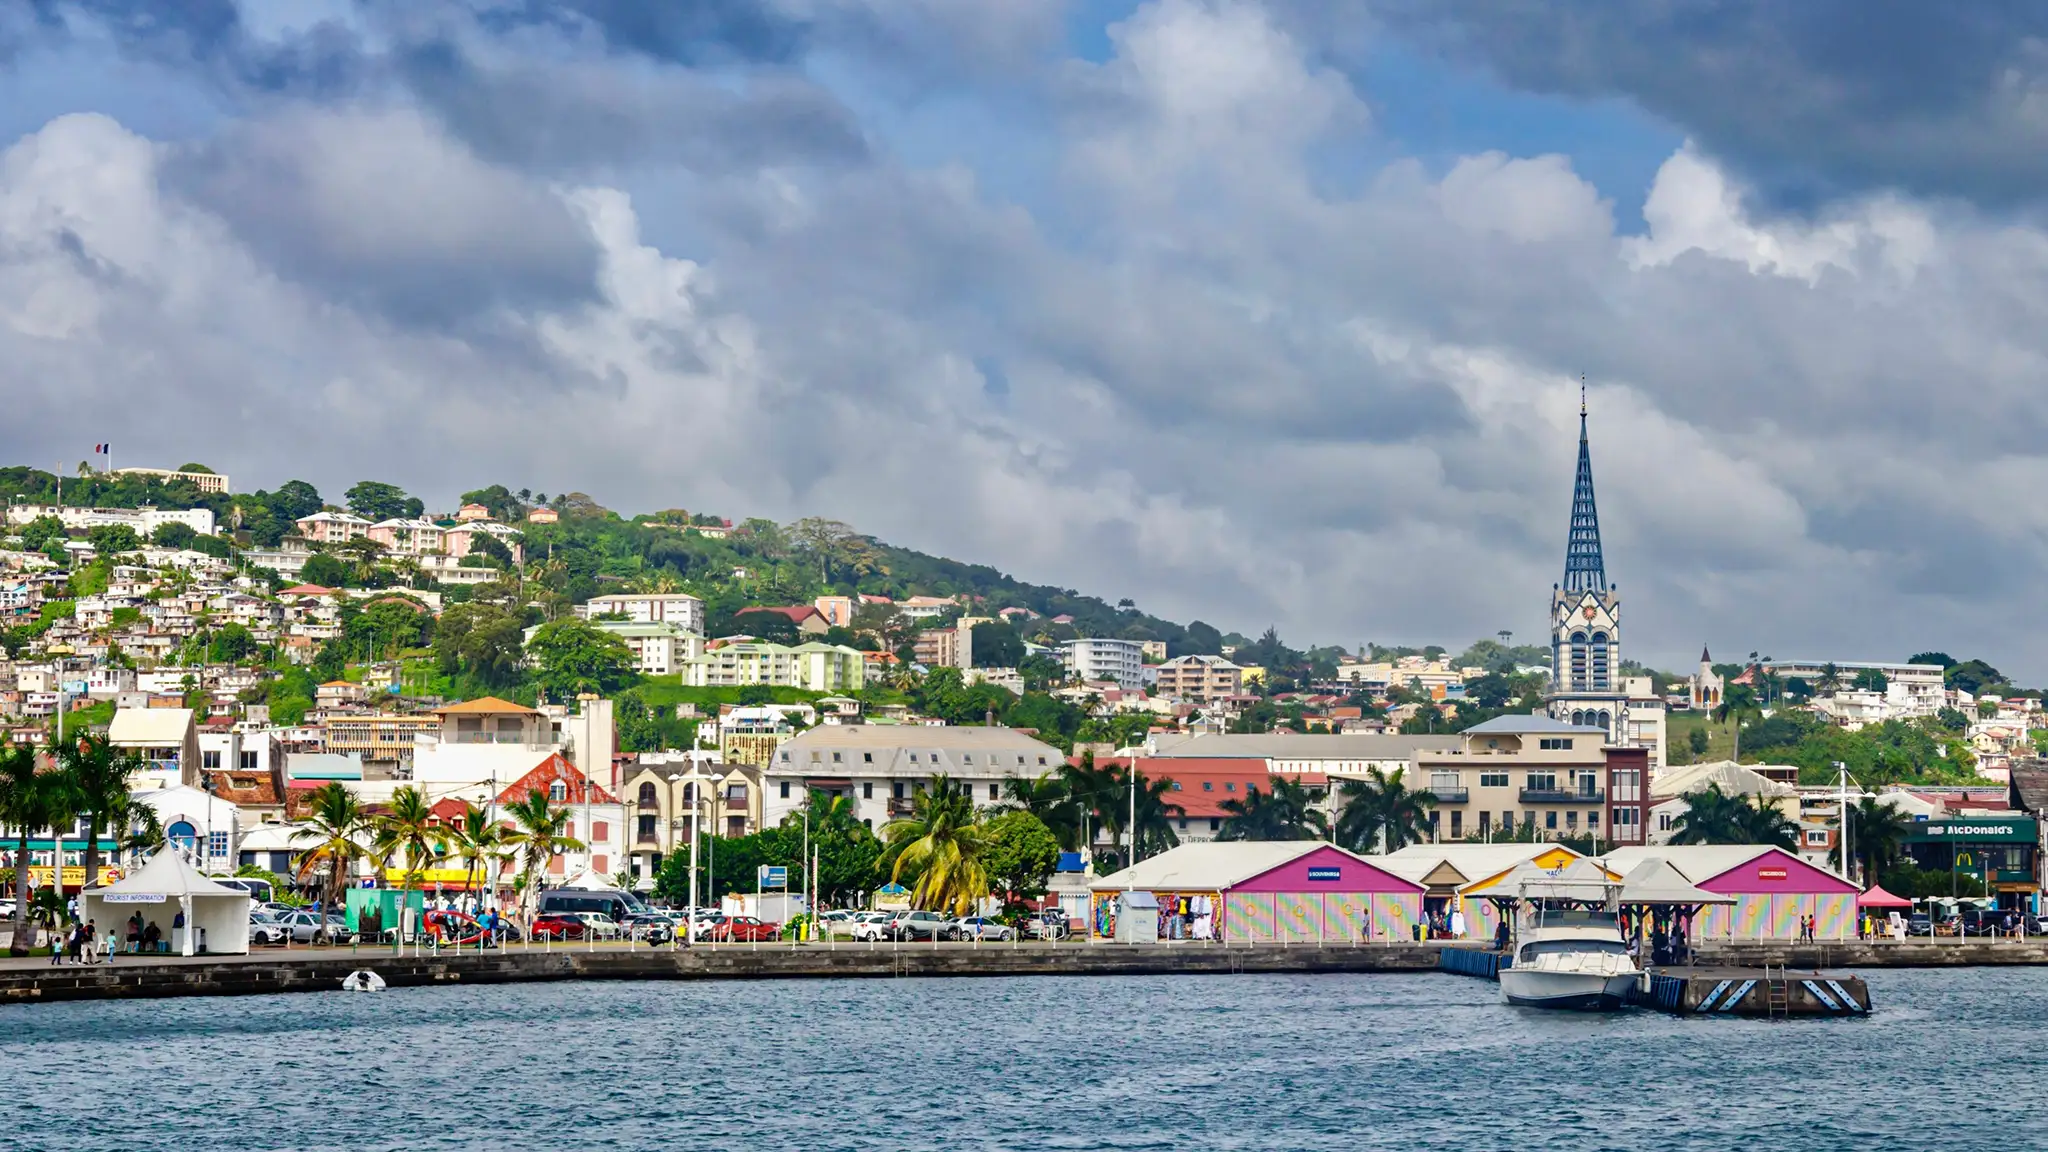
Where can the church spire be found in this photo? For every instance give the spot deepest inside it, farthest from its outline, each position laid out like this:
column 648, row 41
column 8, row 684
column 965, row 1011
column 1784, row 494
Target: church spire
column 1584, row 570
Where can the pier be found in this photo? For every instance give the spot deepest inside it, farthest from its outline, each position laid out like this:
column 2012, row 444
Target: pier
column 322, row 970
column 1770, row 990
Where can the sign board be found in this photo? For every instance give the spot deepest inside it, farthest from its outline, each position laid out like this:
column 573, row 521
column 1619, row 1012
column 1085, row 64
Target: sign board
column 1770, row 873
column 772, row 876
column 1325, row 874
column 2009, row 830
column 74, row 876
column 134, row 898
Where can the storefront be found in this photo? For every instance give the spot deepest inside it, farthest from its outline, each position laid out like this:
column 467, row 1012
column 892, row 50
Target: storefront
column 1258, row 892
column 1997, row 856
column 1777, row 896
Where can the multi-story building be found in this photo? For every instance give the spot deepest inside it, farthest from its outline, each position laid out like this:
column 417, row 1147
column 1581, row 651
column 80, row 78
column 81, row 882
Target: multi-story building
column 951, row 647
column 1105, row 658
column 1515, row 772
column 409, row 536
column 212, row 483
column 1200, row 679
column 384, row 739
column 677, row 608
column 145, row 521
column 333, row 527
column 659, row 648
column 881, row 767
column 1910, row 690
column 814, row 667
column 462, row 539
column 1348, row 754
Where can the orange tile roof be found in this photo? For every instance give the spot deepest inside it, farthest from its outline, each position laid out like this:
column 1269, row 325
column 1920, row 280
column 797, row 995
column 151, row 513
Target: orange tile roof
column 485, row 705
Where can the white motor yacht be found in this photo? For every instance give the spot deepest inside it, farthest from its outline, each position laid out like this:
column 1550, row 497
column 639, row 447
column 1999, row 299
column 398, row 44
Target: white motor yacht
column 1574, row 955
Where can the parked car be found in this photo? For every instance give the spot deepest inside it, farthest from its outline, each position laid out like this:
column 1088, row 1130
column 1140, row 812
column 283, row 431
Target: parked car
column 1050, row 924
column 917, row 925
column 266, row 929
column 312, row 928
column 1919, row 924
column 601, row 925
column 559, row 926
column 838, row 922
column 979, row 928
column 651, row 927
column 872, row 925
column 742, row 928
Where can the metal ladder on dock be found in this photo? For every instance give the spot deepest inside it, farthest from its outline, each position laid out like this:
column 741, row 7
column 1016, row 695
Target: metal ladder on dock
column 1777, row 993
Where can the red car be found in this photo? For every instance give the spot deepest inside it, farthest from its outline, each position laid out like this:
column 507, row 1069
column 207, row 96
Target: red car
column 746, row 928
column 453, row 928
column 558, row 926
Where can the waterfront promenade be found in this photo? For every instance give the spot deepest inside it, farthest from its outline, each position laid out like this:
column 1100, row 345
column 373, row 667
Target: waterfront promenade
column 34, row 979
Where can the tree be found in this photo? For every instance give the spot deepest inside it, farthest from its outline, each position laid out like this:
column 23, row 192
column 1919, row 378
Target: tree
column 503, row 505
column 108, row 539
column 1737, row 701
column 847, row 851
column 375, row 500
column 173, row 534
column 29, row 800
column 477, row 841
column 1490, row 691
column 997, row 645
column 1973, row 676
column 1381, row 813
column 1048, row 799
column 1870, row 680
column 326, row 571
column 1829, row 680
column 575, row 657
column 39, row 533
column 1697, row 741
column 295, row 500
column 1712, row 816
column 539, row 833
column 333, row 835
column 96, row 776
column 1020, row 855
column 482, row 639
column 943, row 846
column 1941, row 658
column 1285, row 811
column 1877, row 836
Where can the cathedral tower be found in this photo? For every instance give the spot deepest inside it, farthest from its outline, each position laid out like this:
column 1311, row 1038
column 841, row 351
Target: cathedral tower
column 1585, row 618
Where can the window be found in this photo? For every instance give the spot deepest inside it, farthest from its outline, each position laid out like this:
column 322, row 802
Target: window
column 1485, row 822
column 897, row 789
column 1229, row 786
column 558, row 792
column 735, row 793
column 967, row 758
column 1215, row 824
column 1628, row 784
column 785, row 789
column 1208, row 785
column 649, row 798
column 785, row 757
column 1556, row 743
column 1626, row 816
column 1457, row 824
column 217, row 844
column 210, row 760
column 1593, row 818
column 993, row 793
column 913, row 757
column 867, row 757
column 1493, row 779
column 1507, row 821
column 1571, row 820
column 1183, row 823
column 867, row 790
column 1041, row 761
column 1174, row 784
column 836, row 757
column 814, row 756
column 248, row 761
column 646, row 829
column 599, row 830
column 1816, row 838
column 1663, row 821
column 1542, row 782
column 1550, row 819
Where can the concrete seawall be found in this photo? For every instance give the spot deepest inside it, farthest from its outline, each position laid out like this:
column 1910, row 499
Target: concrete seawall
column 1883, row 954
column 254, row 975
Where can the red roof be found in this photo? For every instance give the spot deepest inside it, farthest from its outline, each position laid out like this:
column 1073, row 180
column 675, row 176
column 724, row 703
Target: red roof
column 307, row 590
column 1206, row 782
column 797, row 614
column 544, row 774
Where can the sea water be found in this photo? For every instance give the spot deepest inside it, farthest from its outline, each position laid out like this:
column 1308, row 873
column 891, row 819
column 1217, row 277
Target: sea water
column 1950, row 1059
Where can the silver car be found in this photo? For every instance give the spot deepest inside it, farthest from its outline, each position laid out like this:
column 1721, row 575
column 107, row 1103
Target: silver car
column 313, row 928
column 265, row 928
column 979, row 928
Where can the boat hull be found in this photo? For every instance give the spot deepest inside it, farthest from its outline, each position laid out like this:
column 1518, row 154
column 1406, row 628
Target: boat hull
column 1567, row 991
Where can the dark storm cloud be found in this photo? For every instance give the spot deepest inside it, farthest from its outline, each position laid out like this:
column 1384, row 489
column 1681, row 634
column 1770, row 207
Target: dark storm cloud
column 1811, row 99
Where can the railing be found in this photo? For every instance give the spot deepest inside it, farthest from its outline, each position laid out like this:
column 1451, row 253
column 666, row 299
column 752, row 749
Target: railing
column 1561, row 796
column 1451, row 795
column 899, row 806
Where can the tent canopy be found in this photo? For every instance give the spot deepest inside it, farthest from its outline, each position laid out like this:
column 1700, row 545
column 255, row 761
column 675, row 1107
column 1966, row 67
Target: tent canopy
column 1877, row 897
column 170, row 875
column 185, row 907
column 1655, row 881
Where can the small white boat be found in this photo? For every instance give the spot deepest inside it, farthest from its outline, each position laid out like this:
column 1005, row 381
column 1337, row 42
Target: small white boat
column 362, row 980
column 1574, row 956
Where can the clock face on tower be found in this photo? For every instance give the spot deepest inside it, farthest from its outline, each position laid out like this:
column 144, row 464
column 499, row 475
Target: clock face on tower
column 1590, row 611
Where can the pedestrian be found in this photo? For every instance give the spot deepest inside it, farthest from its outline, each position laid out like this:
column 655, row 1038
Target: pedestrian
column 90, row 946
column 76, row 943
column 56, row 947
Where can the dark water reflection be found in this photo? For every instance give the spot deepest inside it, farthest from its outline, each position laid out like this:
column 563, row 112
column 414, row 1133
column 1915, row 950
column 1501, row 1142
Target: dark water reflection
column 1950, row 1060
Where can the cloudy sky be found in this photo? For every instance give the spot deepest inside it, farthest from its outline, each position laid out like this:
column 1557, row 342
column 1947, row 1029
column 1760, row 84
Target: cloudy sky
column 1263, row 311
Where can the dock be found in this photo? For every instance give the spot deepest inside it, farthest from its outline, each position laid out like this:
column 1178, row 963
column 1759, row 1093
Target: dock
column 1771, row 991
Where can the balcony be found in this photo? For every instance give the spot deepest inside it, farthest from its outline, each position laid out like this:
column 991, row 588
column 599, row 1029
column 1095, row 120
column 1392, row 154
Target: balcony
column 1562, row 796
column 900, row 806
column 1451, row 795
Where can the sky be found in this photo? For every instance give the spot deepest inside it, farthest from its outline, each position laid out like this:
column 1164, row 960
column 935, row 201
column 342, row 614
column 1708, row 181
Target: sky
column 1264, row 312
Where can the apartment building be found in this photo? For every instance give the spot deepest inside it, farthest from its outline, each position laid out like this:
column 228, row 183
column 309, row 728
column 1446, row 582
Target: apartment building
column 945, row 647
column 1514, row 772
column 145, row 521
column 814, row 667
column 404, row 536
column 1104, row 658
column 333, row 527
column 677, row 608
column 881, row 767
column 1910, row 689
column 659, row 648
column 210, row 482
column 1200, row 679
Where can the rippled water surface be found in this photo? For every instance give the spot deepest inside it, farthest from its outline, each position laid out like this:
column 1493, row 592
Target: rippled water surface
column 1233, row 1062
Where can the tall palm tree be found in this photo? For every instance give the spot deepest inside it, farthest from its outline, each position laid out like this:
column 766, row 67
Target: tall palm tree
column 1155, row 815
column 1829, row 680
column 335, row 829
column 474, row 840
column 407, row 833
column 98, row 775
column 538, row 833
column 27, row 799
column 141, row 829
column 1381, row 813
column 1093, row 791
column 943, row 844
column 1877, row 832
column 1285, row 810
column 1048, row 798
column 1712, row 816
column 1764, row 824
column 1737, row 702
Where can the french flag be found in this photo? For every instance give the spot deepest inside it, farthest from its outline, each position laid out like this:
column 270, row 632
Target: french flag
column 102, row 449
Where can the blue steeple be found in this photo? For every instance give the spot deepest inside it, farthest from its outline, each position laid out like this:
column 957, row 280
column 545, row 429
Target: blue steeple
column 1584, row 570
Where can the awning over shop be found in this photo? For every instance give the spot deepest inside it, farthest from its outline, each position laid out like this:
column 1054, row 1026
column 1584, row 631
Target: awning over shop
column 1655, row 881
column 1877, row 897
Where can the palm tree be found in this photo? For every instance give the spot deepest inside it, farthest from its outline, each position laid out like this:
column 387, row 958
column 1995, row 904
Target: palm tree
column 408, row 832
column 1764, row 824
column 474, row 840
column 1155, row 816
column 97, row 774
column 943, row 844
column 142, row 830
column 26, row 802
column 1878, row 834
column 1712, row 816
column 539, row 837
column 1092, row 791
column 1286, row 811
column 1381, row 813
column 1737, row 701
column 1829, row 680
column 334, row 829
column 1048, row 798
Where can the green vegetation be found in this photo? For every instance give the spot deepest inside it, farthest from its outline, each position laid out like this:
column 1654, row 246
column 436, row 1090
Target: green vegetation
column 1714, row 817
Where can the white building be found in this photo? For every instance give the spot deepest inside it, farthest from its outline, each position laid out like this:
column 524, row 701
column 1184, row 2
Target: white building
column 677, row 608
column 1911, row 690
column 210, row 482
column 144, row 521
column 881, row 767
column 815, row 667
column 333, row 527
column 1104, row 658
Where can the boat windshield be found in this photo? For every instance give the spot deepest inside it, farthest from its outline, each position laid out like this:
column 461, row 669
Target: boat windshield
column 1548, row 947
column 1578, row 918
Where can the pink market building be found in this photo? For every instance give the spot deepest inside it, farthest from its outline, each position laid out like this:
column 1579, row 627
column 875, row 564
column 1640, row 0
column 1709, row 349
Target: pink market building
column 1773, row 890
column 1257, row 892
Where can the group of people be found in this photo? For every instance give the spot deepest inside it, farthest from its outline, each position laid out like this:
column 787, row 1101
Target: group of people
column 80, row 944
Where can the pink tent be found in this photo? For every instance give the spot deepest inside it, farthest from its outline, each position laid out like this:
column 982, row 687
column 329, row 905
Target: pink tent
column 1879, row 898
